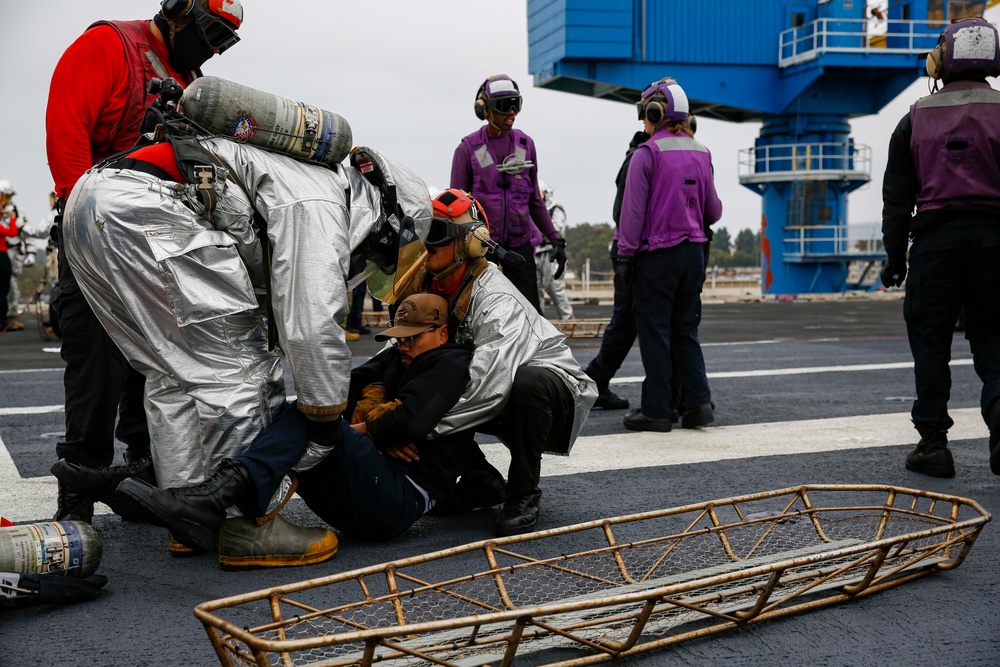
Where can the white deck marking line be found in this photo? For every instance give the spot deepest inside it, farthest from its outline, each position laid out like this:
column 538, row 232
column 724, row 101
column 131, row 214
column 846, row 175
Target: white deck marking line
column 804, row 370
column 34, row 499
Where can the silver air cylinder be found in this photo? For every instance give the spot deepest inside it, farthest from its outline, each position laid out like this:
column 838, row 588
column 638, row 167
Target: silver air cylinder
column 69, row 548
column 262, row 119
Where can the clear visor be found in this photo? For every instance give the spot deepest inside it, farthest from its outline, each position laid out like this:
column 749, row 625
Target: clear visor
column 389, row 287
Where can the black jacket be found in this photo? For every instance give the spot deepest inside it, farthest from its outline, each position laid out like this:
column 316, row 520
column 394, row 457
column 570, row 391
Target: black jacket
column 427, row 389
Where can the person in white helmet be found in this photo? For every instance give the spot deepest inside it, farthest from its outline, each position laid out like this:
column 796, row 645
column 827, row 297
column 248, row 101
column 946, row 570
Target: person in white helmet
column 546, row 265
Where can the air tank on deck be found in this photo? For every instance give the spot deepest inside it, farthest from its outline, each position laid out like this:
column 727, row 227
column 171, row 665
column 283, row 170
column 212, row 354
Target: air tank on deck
column 233, row 110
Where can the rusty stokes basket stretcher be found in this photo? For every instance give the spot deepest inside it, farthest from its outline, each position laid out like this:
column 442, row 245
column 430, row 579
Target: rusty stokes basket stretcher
column 604, row 589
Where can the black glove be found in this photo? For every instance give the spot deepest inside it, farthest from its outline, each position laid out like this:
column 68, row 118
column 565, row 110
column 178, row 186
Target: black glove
column 624, row 269
column 326, row 434
column 894, row 272
column 559, row 256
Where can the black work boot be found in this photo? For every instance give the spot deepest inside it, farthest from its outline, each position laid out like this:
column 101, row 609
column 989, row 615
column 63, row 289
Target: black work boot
column 699, row 416
column 99, row 484
column 480, row 487
column 609, row 400
column 519, row 515
column 993, row 420
column 193, row 514
column 932, row 456
column 73, row 506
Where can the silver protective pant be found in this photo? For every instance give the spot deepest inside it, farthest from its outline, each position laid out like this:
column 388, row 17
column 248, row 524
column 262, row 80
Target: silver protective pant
column 175, row 296
column 545, row 270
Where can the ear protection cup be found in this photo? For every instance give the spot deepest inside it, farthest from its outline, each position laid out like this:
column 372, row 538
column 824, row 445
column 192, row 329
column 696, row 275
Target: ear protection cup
column 933, row 63
column 174, row 9
column 655, row 111
column 477, row 242
column 480, row 105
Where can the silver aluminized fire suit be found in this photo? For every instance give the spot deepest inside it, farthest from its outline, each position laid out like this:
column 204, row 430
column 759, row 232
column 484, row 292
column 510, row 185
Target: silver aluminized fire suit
column 182, row 297
column 509, row 333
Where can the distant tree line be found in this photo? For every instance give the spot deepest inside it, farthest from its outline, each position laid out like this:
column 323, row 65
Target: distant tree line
column 593, row 241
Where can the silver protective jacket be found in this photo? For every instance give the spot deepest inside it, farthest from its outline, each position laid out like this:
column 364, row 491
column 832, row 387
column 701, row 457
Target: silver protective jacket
column 182, row 296
column 509, row 333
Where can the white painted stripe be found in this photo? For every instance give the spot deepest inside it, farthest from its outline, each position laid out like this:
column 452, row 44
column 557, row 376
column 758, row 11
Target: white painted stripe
column 627, row 450
column 805, row 370
column 34, row 499
column 31, row 410
column 34, row 370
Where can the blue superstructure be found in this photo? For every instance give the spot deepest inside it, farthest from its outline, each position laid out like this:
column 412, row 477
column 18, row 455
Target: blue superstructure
column 803, row 68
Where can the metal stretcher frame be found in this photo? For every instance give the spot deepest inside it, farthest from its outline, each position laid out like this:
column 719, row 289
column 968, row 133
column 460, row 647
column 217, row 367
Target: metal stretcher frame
column 605, row 589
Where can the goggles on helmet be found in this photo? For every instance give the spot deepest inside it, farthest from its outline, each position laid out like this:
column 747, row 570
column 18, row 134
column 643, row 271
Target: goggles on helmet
column 219, row 34
column 505, row 105
column 451, row 204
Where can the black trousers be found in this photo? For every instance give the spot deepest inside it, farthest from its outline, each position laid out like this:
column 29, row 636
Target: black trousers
column 619, row 336
column 523, row 276
column 538, row 418
column 99, row 384
column 952, row 266
column 6, row 271
column 668, row 284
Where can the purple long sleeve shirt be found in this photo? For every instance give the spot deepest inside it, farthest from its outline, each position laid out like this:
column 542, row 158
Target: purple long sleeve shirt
column 669, row 195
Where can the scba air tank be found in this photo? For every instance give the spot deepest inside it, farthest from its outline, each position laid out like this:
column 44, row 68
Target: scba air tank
column 262, row 119
column 68, row 548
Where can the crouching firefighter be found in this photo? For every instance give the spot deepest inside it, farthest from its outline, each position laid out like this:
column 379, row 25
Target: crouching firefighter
column 194, row 252
column 525, row 385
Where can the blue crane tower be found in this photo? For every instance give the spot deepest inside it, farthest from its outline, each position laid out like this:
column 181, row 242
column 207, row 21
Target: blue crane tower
column 802, row 68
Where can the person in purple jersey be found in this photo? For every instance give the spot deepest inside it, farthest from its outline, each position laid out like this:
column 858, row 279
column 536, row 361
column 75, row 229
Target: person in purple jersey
column 669, row 199
column 498, row 166
column 944, row 160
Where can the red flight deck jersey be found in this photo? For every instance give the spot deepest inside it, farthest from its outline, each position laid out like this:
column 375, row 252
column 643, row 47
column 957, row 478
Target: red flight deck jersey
column 97, row 96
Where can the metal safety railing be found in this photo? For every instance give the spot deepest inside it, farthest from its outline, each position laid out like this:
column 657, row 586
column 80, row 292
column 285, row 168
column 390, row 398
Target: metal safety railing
column 870, row 35
column 805, row 161
column 857, row 240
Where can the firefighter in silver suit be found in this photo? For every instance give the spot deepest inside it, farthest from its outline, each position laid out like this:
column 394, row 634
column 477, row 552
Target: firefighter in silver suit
column 189, row 293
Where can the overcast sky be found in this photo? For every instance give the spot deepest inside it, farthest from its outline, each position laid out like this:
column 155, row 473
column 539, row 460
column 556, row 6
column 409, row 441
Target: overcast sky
column 404, row 73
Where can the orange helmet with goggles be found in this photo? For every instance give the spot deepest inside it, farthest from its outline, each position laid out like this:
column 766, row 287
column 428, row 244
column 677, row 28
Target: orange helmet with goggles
column 458, row 216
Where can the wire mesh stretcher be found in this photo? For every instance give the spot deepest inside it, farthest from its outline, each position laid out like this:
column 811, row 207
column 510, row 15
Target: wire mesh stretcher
column 605, row 589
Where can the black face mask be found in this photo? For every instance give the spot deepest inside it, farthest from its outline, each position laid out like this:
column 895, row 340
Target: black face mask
column 188, row 51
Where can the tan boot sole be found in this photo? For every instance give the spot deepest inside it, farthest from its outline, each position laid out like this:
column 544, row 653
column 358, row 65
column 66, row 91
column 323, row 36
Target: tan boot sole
column 317, row 553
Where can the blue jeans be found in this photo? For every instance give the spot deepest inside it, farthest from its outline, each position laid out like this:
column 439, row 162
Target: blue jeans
column 355, row 488
column 952, row 265
column 667, row 285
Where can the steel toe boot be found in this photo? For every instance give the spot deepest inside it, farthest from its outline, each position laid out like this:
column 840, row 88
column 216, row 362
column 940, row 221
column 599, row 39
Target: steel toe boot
column 932, row 456
column 246, row 543
column 73, row 506
column 99, row 484
column 193, row 514
column 519, row 515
